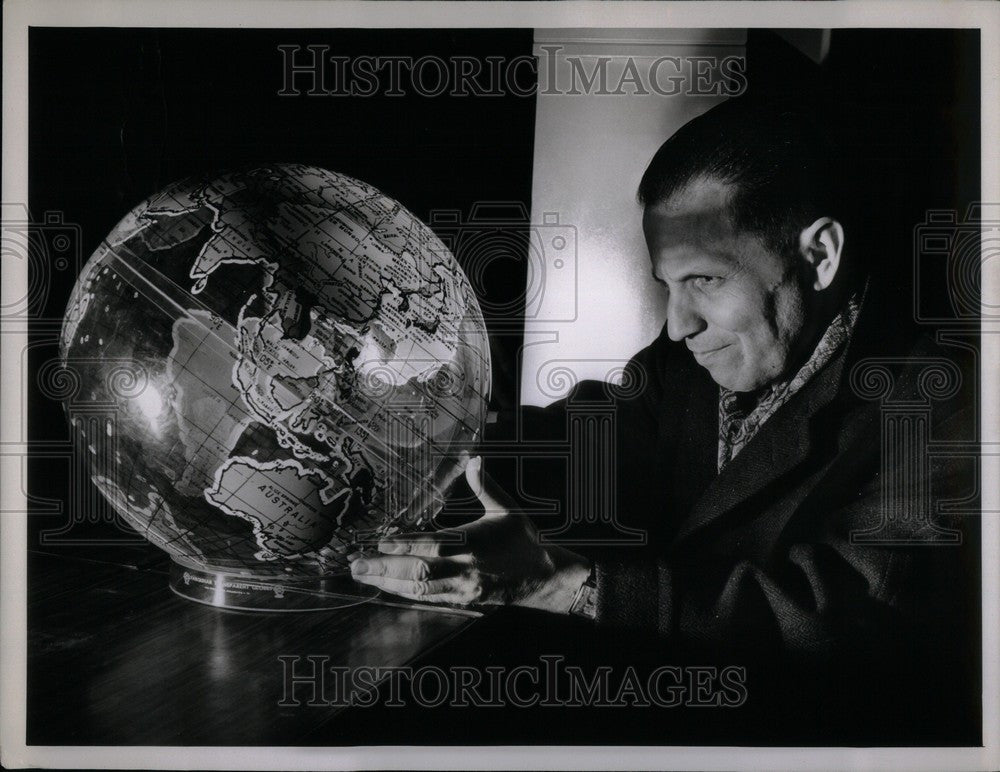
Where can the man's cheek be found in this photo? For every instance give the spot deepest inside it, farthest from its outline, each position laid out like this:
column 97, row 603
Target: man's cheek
column 731, row 315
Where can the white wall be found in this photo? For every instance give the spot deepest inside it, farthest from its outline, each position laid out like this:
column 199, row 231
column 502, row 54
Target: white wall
column 588, row 311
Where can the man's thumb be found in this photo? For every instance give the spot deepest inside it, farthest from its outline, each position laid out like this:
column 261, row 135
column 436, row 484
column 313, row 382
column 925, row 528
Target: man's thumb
column 483, row 487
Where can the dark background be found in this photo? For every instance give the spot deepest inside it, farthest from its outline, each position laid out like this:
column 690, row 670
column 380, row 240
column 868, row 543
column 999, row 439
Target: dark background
column 115, row 115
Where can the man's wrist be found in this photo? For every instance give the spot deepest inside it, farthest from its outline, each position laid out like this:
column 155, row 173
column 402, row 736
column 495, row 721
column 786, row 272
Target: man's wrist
column 561, row 590
column 585, row 602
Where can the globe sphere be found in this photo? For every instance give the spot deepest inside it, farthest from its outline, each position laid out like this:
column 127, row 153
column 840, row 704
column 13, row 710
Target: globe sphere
column 285, row 364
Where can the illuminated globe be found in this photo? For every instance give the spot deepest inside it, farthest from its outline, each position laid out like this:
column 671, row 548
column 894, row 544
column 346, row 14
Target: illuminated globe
column 289, row 361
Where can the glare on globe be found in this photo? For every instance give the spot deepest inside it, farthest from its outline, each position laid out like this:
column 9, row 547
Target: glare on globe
column 290, row 361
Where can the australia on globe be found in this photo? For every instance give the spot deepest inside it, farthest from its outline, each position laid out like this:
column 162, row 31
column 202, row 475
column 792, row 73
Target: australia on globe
column 288, row 362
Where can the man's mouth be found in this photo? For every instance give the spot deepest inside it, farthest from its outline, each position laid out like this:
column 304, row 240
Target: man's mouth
column 708, row 352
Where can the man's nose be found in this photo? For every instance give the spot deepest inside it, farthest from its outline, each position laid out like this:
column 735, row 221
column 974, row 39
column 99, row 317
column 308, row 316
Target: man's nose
column 683, row 318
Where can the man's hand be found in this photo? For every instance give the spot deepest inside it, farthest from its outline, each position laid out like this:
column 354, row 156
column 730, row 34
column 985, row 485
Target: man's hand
column 496, row 560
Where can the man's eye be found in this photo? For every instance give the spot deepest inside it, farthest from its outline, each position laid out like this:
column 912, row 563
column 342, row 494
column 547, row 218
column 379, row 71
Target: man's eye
column 706, row 282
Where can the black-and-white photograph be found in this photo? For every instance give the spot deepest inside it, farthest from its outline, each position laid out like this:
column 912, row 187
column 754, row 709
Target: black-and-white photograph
column 394, row 385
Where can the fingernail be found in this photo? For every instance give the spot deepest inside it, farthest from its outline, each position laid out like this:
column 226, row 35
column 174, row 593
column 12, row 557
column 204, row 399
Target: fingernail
column 359, row 567
column 389, row 547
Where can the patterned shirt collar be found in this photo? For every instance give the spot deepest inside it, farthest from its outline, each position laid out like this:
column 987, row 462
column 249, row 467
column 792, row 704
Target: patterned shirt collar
column 741, row 415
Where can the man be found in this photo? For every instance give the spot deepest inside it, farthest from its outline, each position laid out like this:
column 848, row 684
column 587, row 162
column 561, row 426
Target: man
column 751, row 461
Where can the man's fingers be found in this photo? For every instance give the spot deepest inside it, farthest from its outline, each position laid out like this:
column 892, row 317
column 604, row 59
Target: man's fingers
column 493, row 498
column 430, row 545
column 455, row 589
column 405, row 568
column 387, row 583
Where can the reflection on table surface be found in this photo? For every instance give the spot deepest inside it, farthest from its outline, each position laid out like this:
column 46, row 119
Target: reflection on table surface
column 115, row 658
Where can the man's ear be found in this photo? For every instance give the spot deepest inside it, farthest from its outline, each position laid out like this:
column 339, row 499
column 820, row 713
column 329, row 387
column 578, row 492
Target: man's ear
column 821, row 244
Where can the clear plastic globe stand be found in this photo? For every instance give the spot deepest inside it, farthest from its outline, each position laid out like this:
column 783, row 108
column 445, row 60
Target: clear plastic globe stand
column 247, row 593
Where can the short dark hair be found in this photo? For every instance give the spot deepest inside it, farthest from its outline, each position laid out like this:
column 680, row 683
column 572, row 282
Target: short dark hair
column 783, row 168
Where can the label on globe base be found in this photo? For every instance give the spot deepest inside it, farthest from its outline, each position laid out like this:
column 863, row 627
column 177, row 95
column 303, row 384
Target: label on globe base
column 245, row 593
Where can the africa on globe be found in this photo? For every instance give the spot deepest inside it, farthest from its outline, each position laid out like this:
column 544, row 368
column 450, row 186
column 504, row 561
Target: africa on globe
column 289, row 361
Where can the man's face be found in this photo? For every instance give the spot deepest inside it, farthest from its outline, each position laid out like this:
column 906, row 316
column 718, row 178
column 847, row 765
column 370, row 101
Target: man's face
column 737, row 305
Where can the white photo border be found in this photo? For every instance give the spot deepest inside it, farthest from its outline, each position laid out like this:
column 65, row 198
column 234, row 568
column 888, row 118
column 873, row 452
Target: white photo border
column 19, row 15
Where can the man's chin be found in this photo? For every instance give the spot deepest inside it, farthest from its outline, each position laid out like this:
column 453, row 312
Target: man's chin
column 733, row 379
column 724, row 378
column 722, row 372
column 731, row 385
